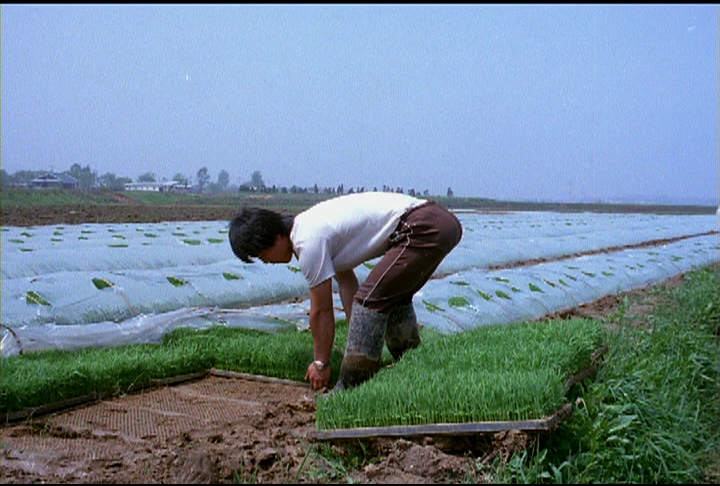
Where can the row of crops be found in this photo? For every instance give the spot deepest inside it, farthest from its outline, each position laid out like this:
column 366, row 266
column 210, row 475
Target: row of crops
column 106, row 285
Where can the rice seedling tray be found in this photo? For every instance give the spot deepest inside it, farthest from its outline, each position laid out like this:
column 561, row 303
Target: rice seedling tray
column 545, row 424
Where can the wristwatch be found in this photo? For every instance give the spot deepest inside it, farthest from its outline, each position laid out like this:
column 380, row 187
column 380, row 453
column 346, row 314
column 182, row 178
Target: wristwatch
column 320, row 365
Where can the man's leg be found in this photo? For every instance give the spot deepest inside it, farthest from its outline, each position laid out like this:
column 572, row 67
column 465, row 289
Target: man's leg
column 366, row 338
column 402, row 331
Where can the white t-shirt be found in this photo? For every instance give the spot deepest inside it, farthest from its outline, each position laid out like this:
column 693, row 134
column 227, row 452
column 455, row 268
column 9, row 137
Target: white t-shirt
column 341, row 233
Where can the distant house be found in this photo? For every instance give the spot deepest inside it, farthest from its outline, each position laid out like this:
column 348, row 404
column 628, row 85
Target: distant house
column 52, row 180
column 157, row 186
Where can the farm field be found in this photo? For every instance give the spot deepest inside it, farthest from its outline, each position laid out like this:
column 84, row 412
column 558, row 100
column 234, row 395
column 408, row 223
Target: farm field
column 186, row 441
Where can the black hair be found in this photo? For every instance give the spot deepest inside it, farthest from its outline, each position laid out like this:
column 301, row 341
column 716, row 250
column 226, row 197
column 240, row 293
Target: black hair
column 253, row 230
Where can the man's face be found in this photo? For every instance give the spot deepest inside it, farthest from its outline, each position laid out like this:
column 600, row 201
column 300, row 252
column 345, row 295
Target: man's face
column 280, row 252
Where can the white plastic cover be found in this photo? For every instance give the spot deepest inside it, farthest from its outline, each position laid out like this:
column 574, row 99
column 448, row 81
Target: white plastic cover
column 70, row 286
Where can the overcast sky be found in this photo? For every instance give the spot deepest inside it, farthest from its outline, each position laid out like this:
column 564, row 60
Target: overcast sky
column 552, row 103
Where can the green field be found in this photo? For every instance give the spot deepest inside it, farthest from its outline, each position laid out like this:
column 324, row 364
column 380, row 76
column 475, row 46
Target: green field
column 296, row 202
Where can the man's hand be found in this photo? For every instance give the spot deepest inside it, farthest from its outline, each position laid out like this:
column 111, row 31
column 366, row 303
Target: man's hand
column 318, row 378
column 322, row 326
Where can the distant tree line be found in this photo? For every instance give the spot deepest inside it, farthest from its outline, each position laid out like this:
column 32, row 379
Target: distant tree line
column 88, row 179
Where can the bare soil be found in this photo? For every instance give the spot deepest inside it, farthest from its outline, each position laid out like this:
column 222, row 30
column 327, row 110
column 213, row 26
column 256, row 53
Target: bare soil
column 234, row 430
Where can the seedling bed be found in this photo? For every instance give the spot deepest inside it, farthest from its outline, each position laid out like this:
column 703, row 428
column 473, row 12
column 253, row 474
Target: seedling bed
column 545, row 424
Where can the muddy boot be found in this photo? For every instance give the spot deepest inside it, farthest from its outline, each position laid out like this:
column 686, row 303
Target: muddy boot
column 402, row 330
column 366, row 338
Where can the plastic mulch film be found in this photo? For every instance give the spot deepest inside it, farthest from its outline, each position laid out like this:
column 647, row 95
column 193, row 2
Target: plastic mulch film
column 86, row 283
column 469, row 299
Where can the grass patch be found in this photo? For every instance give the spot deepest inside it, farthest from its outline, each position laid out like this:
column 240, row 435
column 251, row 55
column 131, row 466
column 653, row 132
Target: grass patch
column 653, row 413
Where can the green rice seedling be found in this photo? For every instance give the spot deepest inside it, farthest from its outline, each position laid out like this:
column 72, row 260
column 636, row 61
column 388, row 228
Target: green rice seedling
column 535, row 288
column 502, row 295
column 508, row 372
column 177, row 233
column 33, row 298
column 16, row 240
column 101, row 283
column 458, row 301
column 283, row 354
column 40, row 378
column 177, row 282
column 150, row 235
column 215, row 240
column 46, row 377
column 502, row 279
column 293, row 268
column 483, row 294
column 231, row 276
column 118, row 245
column 461, row 283
column 432, row 307
column 192, row 242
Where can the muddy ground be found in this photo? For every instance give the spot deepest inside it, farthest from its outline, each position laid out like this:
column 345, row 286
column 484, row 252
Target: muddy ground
column 230, row 430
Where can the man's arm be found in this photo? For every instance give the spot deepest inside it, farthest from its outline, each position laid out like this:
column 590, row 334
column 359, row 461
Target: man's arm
column 348, row 286
column 322, row 326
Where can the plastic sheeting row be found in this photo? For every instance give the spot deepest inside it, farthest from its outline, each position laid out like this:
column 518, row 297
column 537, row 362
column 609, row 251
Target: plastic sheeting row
column 81, row 274
column 488, row 239
column 462, row 300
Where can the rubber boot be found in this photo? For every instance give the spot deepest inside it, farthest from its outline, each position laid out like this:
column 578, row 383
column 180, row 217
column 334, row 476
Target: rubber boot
column 403, row 332
column 366, row 338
